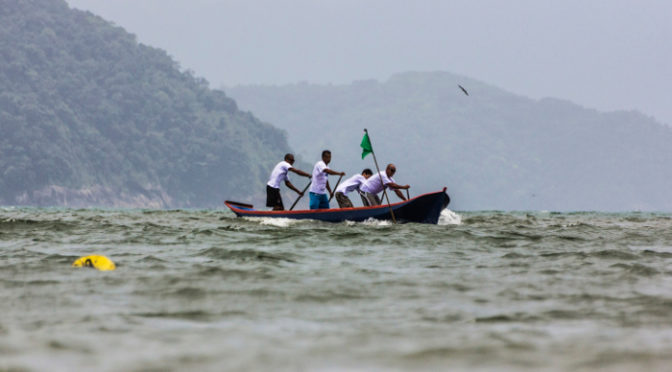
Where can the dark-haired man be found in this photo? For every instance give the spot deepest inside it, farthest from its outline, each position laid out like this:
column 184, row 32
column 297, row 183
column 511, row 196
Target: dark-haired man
column 377, row 183
column 351, row 184
column 320, row 185
column 278, row 175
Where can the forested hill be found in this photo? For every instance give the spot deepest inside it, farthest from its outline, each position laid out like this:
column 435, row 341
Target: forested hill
column 492, row 149
column 90, row 117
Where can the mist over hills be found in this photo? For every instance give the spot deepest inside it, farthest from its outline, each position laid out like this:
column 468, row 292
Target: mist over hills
column 90, row 117
column 492, row 149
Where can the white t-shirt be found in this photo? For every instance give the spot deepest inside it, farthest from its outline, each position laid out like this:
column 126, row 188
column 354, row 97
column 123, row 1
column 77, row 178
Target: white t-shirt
column 351, row 184
column 279, row 174
column 319, row 185
column 373, row 185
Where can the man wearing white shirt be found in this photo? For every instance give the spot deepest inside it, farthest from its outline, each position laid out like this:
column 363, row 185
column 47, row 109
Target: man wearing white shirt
column 351, row 184
column 377, row 183
column 320, row 182
column 278, row 175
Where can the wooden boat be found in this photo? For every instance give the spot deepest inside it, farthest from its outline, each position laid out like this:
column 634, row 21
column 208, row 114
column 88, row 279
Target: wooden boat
column 425, row 208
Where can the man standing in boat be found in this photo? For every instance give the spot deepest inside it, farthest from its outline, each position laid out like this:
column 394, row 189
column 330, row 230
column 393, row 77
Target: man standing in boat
column 351, row 184
column 375, row 184
column 278, row 175
column 320, row 183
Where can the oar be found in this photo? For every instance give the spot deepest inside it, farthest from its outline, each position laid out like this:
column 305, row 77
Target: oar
column 335, row 187
column 300, row 196
column 408, row 196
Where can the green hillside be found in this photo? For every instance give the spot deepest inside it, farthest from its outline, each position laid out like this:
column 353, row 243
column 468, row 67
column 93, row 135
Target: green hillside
column 88, row 116
column 492, row 149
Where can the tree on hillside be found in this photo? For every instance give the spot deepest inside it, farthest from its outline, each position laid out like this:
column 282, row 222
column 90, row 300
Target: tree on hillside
column 84, row 106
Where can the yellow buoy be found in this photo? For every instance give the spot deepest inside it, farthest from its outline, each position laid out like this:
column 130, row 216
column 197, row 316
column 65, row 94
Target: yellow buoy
column 101, row 263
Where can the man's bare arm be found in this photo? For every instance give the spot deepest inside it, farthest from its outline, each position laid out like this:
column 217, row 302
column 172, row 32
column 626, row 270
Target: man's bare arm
column 289, row 184
column 399, row 194
column 299, row 172
column 334, row 173
column 394, row 186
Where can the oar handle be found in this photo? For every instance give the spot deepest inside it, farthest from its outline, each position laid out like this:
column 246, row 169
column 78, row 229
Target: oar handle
column 335, row 187
column 408, row 196
column 300, row 196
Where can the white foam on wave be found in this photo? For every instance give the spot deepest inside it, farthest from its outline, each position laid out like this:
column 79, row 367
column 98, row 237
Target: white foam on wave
column 449, row 217
column 375, row 222
column 369, row 222
column 273, row 221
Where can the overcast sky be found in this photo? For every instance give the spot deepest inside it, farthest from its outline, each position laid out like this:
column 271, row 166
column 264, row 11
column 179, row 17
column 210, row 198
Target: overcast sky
column 605, row 54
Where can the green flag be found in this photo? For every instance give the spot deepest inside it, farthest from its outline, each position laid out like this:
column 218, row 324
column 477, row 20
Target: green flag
column 366, row 145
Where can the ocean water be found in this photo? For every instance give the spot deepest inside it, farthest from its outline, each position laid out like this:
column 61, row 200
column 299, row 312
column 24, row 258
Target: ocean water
column 206, row 291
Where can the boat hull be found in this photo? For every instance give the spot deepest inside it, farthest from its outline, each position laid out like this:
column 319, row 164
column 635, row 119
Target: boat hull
column 425, row 208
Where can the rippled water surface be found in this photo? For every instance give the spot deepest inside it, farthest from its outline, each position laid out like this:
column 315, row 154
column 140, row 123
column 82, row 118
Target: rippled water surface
column 203, row 290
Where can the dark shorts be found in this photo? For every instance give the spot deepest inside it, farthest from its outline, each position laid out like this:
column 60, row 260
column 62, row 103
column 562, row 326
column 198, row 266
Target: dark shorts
column 343, row 200
column 273, row 198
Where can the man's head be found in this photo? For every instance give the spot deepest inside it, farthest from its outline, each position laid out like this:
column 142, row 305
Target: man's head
column 289, row 158
column 367, row 173
column 326, row 156
column 390, row 170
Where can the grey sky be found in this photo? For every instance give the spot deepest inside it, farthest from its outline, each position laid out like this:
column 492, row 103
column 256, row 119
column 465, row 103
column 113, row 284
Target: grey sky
column 607, row 54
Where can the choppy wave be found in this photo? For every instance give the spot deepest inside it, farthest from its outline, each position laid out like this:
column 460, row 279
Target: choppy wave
column 205, row 290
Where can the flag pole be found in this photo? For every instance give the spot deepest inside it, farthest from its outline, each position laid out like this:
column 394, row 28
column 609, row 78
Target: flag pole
column 381, row 177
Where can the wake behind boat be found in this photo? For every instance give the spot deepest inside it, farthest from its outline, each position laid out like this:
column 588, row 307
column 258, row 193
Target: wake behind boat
column 425, row 208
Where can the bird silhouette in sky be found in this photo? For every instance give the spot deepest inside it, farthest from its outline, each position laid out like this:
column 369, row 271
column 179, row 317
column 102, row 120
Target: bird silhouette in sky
column 464, row 90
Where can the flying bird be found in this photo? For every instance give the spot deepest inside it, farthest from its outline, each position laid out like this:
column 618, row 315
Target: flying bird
column 464, row 90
